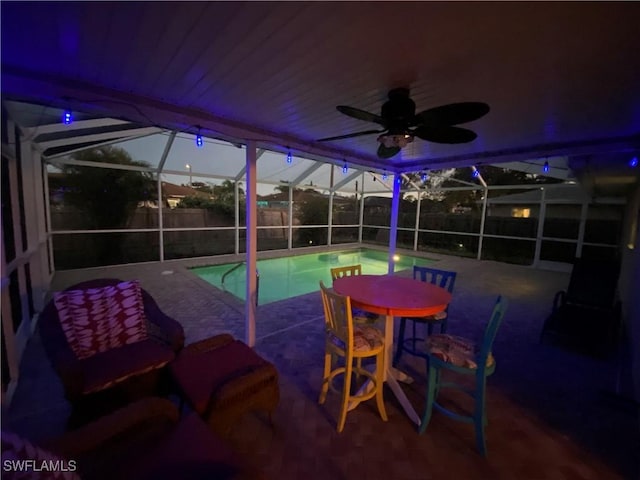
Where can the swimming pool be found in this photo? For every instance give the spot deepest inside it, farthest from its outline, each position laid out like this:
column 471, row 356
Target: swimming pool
column 288, row 277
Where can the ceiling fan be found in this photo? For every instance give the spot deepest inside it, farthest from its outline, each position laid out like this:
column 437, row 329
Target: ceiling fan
column 400, row 123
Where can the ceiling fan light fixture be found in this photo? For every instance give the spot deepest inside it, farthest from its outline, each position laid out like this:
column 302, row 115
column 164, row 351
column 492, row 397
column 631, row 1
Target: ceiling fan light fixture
column 390, row 141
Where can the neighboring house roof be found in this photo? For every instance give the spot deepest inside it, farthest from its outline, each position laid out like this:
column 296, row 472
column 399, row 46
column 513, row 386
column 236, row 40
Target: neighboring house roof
column 300, row 195
column 569, row 194
column 181, row 191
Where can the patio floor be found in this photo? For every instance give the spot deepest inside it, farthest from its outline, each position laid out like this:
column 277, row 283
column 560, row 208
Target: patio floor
column 549, row 413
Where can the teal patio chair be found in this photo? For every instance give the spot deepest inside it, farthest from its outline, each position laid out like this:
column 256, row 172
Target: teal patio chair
column 443, row 279
column 447, row 352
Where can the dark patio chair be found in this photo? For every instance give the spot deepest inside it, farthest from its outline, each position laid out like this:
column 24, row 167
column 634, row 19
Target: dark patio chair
column 586, row 317
column 112, row 378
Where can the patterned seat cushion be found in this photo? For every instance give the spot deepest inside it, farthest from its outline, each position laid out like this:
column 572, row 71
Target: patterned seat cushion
column 438, row 317
column 360, row 316
column 365, row 339
column 105, row 369
column 458, row 351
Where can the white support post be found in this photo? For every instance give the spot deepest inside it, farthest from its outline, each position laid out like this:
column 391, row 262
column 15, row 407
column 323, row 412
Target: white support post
column 36, row 232
column 583, row 223
column 417, row 226
column 47, row 212
column 393, row 233
column 41, row 226
column 32, row 196
column 482, row 220
column 163, row 160
column 160, row 218
column 236, row 222
column 290, row 235
column 540, row 231
column 361, row 215
column 252, row 244
column 330, row 218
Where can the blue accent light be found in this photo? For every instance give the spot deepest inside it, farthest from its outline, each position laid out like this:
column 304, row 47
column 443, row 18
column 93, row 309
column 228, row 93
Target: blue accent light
column 476, row 173
column 633, row 163
column 199, row 141
column 385, row 176
column 545, row 167
column 345, row 168
column 67, row 117
column 425, row 176
column 289, row 158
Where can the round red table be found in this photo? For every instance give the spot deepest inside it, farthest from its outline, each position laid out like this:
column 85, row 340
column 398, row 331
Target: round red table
column 393, row 296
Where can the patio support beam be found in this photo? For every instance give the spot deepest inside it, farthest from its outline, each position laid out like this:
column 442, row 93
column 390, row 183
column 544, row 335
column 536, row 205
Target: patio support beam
column 331, row 194
column 42, row 204
column 485, row 199
column 236, row 215
column 98, row 137
column 252, row 244
column 479, row 176
column 345, row 180
column 243, row 170
column 361, row 215
column 330, row 212
column 34, row 132
column 411, row 182
column 583, row 223
column 30, row 161
column 48, row 225
column 290, row 236
column 393, row 233
column 306, row 173
column 541, row 214
column 163, row 159
column 165, row 152
column 416, row 233
column 160, row 219
column 377, row 178
column 457, row 180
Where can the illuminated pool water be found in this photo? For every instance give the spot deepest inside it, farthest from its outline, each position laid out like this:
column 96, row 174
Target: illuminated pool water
column 288, row 277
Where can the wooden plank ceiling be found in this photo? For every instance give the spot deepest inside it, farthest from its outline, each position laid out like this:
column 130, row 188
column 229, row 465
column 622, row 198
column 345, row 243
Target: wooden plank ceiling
column 561, row 78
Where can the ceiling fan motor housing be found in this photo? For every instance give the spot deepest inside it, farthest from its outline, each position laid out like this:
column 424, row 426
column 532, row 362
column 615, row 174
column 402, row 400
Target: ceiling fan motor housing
column 399, row 111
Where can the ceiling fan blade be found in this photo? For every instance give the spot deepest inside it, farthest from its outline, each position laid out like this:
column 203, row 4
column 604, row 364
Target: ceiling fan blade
column 350, row 135
column 445, row 134
column 387, row 152
column 361, row 114
column 451, row 114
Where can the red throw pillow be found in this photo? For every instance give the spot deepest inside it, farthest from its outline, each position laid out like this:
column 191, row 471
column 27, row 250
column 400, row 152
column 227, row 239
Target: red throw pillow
column 60, row 301
column 98, row 319
column 85, row 320
column 127, row 321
